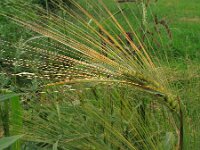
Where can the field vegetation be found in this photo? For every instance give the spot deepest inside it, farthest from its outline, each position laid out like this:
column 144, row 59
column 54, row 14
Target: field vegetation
column 97, row 74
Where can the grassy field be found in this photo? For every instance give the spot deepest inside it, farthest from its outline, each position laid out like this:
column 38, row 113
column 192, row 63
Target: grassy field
column 184, row 19
column 181, row 68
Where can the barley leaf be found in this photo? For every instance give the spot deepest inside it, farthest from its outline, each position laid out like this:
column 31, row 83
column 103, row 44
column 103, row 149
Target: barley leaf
column 7, row 141
column 7, row 96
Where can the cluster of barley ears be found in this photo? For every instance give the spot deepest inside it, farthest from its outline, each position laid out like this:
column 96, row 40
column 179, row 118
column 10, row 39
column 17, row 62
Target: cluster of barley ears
column 80, row 47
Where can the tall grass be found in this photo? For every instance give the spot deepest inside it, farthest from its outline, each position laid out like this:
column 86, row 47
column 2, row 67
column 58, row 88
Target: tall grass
column 141, row 111
column 80, row 119
column 11, row 113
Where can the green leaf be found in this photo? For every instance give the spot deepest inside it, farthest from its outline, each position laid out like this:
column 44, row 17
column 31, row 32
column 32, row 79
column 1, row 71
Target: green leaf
column 8, row 141
column 55, row 146
column 4, row 97
column 16, row 112
column 168, row 141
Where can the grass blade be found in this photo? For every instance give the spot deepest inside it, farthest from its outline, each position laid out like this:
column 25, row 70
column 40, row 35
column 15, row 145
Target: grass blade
column 8, row 141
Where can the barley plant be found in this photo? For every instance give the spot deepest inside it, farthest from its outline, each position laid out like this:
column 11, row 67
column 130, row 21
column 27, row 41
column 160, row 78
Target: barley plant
column 88, row 80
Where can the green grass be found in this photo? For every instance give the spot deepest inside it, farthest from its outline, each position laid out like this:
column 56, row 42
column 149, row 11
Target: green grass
column 183, row 18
